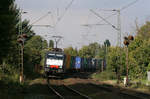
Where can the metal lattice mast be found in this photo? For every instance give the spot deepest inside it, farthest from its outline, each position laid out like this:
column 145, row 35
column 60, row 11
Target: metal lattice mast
column 119, row 45
column 21, row 65
column 119, row 29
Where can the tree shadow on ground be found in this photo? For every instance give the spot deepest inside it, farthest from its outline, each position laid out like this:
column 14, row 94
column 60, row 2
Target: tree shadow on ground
column 95, row 91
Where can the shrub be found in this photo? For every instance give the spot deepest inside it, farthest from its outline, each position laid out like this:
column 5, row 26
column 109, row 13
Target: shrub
column 105, row 75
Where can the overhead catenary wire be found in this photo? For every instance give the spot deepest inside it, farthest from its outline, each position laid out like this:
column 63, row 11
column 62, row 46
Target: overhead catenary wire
column 42, row 25
column 59, row 19
column 129, row 5
column 53, row 21
column 124, row 7
column 57, row 13
column 118, row 27
column 66, row 9
column 108, row 17
column 99, row 23
column 90, row 25
column 41, row 18
column 117, row 10
column 33, row 24
column 103, row 19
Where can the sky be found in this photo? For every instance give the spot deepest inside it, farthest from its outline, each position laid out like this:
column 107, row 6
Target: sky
column 75, row 16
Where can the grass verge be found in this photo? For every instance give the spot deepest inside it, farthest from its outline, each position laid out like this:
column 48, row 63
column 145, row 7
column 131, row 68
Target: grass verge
column 110, row 78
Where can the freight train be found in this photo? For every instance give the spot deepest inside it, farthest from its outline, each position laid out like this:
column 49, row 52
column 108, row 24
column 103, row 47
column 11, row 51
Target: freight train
column 56, row 62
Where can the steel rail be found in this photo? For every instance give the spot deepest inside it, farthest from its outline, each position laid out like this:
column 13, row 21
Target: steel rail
column 70, row 89
column 57, row 93
column 102, row 87
column 77, row 92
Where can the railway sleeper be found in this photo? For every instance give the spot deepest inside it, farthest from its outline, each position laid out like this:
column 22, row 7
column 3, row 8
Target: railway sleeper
column 83, row 95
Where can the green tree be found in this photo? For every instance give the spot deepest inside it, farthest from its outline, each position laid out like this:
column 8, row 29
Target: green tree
column 144, row 31
column 44, row 45
column 92, row 50
column 8, row 22
column 71, row 51
column 26, row 29
column 33, row 50
column 139, row 58
column 101, row 52
column 139, row 53
column 114, row 64
column 107, row 43
column 93, row 47
column 85, row 52
column 51, row 44
column 9, row 27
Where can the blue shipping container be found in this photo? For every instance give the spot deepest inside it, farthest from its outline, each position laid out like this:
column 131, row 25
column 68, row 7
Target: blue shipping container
column 77, row 62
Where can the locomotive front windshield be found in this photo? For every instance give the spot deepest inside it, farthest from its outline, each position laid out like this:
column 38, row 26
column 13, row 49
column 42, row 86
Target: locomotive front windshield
column 59, row 56
column 55, row 56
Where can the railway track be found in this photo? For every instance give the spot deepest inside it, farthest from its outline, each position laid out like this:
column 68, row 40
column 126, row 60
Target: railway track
column 93, row 90
column 65, row 92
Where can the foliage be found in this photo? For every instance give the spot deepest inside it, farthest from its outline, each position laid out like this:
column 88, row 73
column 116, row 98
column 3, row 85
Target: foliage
column 85, row 52
column 101, row 52
column 93, row 47
column 35, row 48
column 92, row 50
column 32, row 52
column 139, row 52
column 51, row 44
column 8, row 22
column 26, row 29
column 116, row 60
column 144, row 31
column 43, row 52
column 44, row 45
column 9, row 27
column 107, row 43
column 71, row 51
column 105, row 75
column 139, row 59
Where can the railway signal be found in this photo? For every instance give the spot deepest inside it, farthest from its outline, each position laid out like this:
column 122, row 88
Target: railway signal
column 127, row 41
column 21, row 39
column 118, row 27
column 130, row 37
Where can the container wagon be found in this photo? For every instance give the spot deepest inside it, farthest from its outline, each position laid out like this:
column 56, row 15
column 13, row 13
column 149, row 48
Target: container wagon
column 59, row 63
